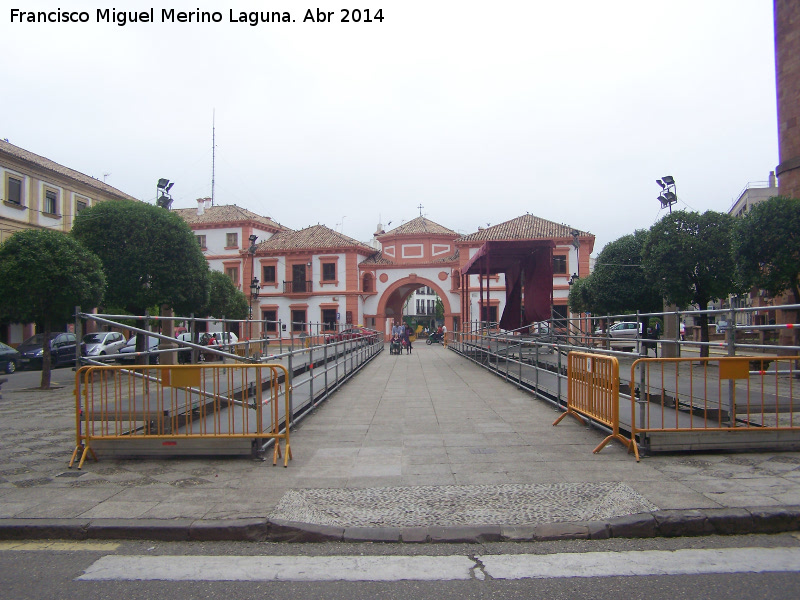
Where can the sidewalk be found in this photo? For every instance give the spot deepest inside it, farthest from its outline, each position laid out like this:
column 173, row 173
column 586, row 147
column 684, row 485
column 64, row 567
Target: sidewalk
column 420, row 447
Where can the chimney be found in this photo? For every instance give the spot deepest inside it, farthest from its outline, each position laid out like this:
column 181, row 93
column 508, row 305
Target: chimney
column 208, row 203
column 200, row 207
column 772, row 182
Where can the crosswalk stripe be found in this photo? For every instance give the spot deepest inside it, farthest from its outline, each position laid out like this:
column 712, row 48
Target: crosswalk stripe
column 642, row 562
column 280, row 568
column 442, row 568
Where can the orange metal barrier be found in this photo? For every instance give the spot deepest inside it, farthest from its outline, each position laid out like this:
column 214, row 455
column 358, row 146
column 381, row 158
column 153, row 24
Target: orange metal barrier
column 730, row 394
column 593, row 391
column 159, row 407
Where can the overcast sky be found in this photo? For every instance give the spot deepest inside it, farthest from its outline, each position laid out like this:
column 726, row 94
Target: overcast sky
column 478, row 111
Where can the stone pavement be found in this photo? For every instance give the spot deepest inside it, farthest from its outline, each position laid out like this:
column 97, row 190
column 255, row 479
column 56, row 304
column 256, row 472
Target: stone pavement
column 420, row 447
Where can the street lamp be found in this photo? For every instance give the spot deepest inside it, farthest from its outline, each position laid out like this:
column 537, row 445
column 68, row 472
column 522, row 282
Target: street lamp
column 163, row 197
column 255, row 288
column 668, row 196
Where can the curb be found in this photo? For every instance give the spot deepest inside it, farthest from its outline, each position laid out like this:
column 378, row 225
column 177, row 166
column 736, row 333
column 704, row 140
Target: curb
column 664, row 523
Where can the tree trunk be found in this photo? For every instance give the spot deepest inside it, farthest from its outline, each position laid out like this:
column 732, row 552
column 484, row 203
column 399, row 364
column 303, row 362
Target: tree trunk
column 704, row 333
column 46, row 356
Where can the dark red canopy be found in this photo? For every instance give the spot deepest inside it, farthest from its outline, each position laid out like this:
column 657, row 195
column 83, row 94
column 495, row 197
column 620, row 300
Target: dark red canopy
column 525, row 263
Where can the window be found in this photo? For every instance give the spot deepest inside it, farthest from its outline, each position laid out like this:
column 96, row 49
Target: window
column 51, row 202
column 232, row 240
column 271, row 319
column 80, row 205
column 560, row 265
column 298, row 320
column 328, row 271
column 14, row 190
column 233, row 273
column 201, row 239
column 268, row 274
column 490, row 315
column 367, row 284
column 329, row 318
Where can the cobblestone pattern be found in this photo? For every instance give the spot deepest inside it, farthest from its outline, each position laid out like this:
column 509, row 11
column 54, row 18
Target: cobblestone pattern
column 461, row 505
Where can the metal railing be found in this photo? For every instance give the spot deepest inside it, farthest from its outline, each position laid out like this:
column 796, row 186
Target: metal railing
column 175, row 409
column 593, row 392
column 535, row 358
column 751, row 401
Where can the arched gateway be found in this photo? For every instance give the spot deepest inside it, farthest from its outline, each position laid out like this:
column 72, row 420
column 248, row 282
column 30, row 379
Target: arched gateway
column 316, row 279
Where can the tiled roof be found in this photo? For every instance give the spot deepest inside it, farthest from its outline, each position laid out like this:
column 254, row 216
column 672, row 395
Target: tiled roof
column 50, row 165
column 376, row 259
column 314, row 237
column 227, row 213
column 421, row 225
column 526, row 227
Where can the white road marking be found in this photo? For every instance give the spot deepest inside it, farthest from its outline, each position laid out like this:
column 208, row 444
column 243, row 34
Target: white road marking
column 642, row 562
column 280, row 568
column 47, row 546
column 442, row 568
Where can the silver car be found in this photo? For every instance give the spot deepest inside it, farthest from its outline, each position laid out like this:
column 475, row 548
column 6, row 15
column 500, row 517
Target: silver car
column 103, row 343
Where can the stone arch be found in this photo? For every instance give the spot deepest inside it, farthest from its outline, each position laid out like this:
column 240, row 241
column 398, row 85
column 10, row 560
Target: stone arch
column 416, row 282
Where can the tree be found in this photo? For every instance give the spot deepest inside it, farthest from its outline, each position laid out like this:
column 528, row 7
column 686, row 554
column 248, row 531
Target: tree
column 688, row 257
column 45, row 275
column 581, row 296
column 767, row 246
column 618, row 283
column 224, row 300
column 150, row 256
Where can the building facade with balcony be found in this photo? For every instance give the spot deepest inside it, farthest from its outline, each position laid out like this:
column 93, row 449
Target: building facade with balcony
column 224, row 234
column 40, row 193
column 315, row 280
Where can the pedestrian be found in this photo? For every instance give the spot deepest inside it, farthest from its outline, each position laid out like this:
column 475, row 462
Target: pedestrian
column 444, row 335
column 407, row 339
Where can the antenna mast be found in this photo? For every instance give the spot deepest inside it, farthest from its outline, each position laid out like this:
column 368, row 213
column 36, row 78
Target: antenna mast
column 213, row 152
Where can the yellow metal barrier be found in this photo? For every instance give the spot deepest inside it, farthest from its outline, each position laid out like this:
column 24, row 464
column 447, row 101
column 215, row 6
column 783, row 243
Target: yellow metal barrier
column 735, row 395
column 593, row 391
column 170, row 406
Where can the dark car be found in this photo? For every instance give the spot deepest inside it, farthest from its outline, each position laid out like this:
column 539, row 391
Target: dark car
column 62, row 350
column 353, row 333
column 8, row 358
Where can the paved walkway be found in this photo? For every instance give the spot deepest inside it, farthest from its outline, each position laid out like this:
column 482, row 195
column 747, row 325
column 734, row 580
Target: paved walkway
column 420, row 447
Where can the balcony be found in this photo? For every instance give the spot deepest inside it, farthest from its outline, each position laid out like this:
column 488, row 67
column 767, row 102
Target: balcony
column 297, row 287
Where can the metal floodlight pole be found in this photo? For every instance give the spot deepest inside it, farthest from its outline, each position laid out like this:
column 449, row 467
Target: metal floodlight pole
column 669, row 195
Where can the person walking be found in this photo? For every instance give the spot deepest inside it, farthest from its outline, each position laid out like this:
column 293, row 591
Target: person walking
column 444, row 335
column 407, row 339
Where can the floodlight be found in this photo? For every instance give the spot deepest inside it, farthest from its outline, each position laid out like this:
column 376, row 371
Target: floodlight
column 162, row 183
column 668, row 179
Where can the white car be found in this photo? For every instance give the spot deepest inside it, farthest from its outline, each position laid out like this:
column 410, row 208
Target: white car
column 103, row 343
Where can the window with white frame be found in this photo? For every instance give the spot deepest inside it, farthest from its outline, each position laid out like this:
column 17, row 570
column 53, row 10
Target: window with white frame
column 14, row 190
column 50, row 202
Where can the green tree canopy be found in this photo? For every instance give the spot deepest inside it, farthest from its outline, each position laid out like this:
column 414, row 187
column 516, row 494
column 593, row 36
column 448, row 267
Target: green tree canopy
column 688, row 257
column 150, row 256
column 767, row 246
column 45, row 274
column 581, row 298
column 618, row 283
column 224, row 300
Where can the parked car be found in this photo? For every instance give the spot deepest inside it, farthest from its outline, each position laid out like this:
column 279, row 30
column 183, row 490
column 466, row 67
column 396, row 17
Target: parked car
column 103, row 343
column 226, row 339
column 353, row 333
column 127, row 351
column 62, row 350
column 9, row 358
column 721, row 325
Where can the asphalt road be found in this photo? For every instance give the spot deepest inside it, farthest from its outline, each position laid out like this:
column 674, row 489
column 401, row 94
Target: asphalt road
column 52, row 570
